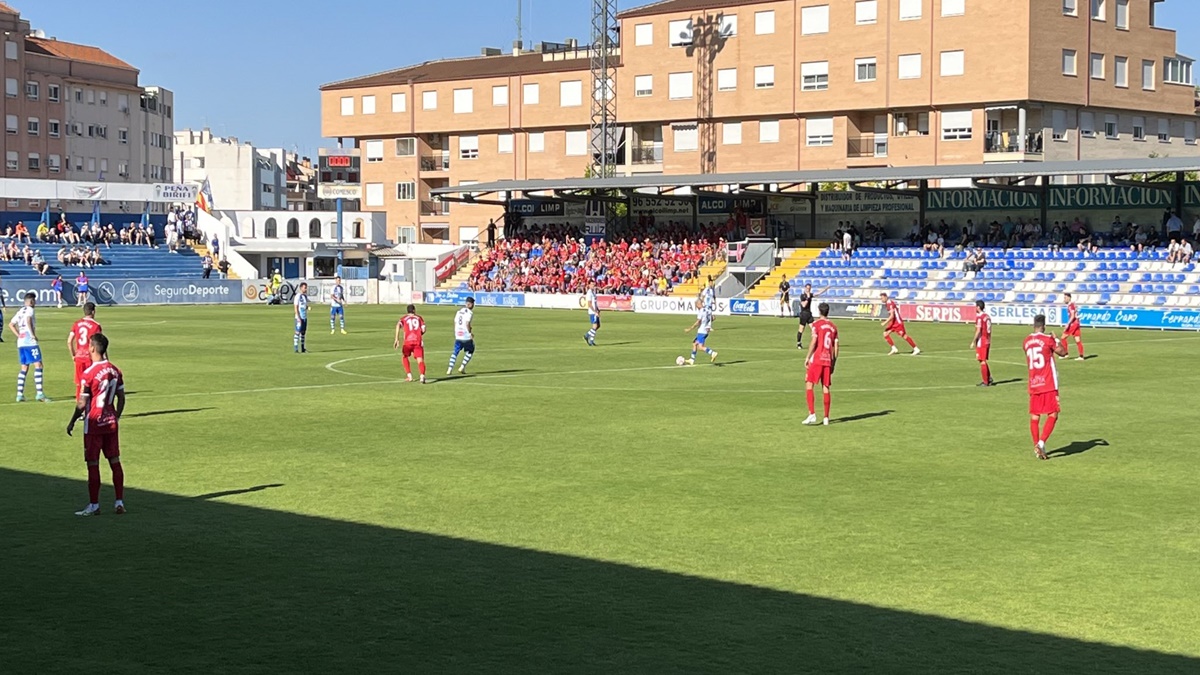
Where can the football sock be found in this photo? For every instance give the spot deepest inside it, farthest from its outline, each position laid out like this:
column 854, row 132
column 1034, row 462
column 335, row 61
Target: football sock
column 693, row 354
column 467, row 358
column 828, row 401
column 1034, row 431
column 331, row 324
column 20, row 383
column 407, row 368
column 708, row 350
column 1079, row 344
column 1049, row 428
column 812, row 402
column 799, row 339
column 911, row 343
column 1064, row 342
column 302, row 342
column 118, row 476
column 888, row 339
column 454, row 357
column 93, row 483
column 986, row 372
column 592, row 335
column 295, row 342
column 37, row 378
column 421, row 367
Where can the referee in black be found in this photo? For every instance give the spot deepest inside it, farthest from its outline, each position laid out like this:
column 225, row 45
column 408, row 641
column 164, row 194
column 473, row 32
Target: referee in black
column 806, row 317
column 785, row 298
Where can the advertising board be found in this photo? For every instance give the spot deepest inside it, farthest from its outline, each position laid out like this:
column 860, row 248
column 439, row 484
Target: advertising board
column 656, row 304
column 482, row 298
column 165, row 292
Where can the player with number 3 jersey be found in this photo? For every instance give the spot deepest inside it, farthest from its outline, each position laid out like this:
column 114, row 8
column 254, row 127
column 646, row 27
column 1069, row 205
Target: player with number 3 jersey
column 80, row 339
column 1040, row 349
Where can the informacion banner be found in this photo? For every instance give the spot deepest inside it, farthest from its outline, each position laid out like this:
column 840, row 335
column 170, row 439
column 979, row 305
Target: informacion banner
column 482, row 298
column 165, row 292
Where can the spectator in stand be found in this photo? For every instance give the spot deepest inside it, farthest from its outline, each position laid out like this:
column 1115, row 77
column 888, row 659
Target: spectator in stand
column 847, row 243
column 223, row 268
column 43, row 233
column 22, row 232
column 214, row 246
column 39, row 263
column 1196, row 229
column 206, row 263
column 1174, row 251
column 1185, row 255
column 1174, row 226
column 1140, row 238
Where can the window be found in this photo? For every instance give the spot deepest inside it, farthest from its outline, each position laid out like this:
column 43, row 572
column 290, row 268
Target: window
column 1123, row 14
column 727, row 79
column 104, row 98
column 464, row 101
column 500, row 95
column 10, row 124
column 104, row 165
column 1098, row 10
column 91, row 96
column 54, row 128
column 952, row 63
column 347, row 105
column 570, row 94
column 122, row 100
column 54, row 163
column 79, row 95
column 10, row 87
column 577, row 143
column 1068, row 62
column 1070, row 8
column 643, row 85
column 1087, row 125
column 530, row 94
column 406, row 192
column 679, row 85
column 1139, row 128
column 1110, row 127
column 368, row 105
column 1097, row 69
column 12, row 160
column 399, row 102
column 1058, row 123
column 768, row 131
column 10, row 50
column 468, row 147
column 1121, row 71
column 35, row 161
column 686, row 137
column 406, row 147
column 909, row 67
column 866, row 11
column 1164, row 130
column 910, row 9
column 764, row 77
column 1177, row 71
column 764, row 22
column 814, row 20
column 374, row 195
column 429, row 100
column 957, row 125
column 504, row 144
column 53, row 93
column 728, row 25
column 814, row 76
column 537, row 141
column 32, row 90
column 818, row 131
column 865, row 70
column 643, row 35
column 79, row 166
column 680, row 32
column 954, row 7
column 1189, row 133
column 374, row 151
column 1148, row 75
column 34, row 126
column 731, row 133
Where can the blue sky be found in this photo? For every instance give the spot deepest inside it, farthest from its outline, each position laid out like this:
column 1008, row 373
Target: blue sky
column 251, row 68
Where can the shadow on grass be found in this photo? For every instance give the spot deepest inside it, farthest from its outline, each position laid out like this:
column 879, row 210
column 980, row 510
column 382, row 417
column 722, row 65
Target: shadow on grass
column 1078, row 448
column 160, row 413
column 243, row 491
column 194, row 586
column 1002, row 383
column 861, row 417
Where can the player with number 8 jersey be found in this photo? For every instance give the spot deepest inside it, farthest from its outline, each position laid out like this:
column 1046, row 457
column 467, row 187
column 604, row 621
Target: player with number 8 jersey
column 80, row 339
column 1040, row 349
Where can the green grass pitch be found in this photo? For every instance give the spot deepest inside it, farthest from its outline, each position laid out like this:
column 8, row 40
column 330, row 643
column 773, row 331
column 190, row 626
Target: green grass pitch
column 598, row 510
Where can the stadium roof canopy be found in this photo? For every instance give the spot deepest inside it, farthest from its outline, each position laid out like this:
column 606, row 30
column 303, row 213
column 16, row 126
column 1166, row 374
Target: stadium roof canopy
column 980, row 173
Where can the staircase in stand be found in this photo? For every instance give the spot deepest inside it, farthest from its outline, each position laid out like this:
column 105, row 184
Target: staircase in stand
column 691, row 287
column 768, row 286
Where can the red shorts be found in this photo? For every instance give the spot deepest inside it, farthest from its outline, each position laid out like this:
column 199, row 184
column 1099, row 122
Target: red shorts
column 982, row 352
column 80, row 366
column 1073, row 330
column 107, row 443
column 819, row 373
column 414, row 350
column 895, row 328
column 1043, row 404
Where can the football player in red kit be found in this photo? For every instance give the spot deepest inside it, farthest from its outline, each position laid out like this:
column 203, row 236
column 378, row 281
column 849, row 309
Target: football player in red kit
column 1073, row 328
column 982, row 342
column 823, row 352
column 895, row 324
column 414, row 341
column 100, row 403
column 80, row 339
column 1040, row 349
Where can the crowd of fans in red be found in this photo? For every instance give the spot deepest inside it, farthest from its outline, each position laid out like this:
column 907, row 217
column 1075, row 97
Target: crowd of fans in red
column 648, row 260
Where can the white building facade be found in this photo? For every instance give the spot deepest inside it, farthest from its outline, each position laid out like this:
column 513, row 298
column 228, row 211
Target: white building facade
column 242, row 177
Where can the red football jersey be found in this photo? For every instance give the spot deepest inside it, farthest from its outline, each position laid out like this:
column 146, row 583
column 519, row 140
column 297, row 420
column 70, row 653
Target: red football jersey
column 824, row 336
column 81, row 335
column 414, row 328
column 1072, row 313
column 98, row 392
column 1039, row 356
column 983, row 324
column 894, row 311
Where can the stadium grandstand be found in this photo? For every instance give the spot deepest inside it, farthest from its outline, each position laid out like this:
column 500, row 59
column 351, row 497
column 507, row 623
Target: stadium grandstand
column 1122, row 264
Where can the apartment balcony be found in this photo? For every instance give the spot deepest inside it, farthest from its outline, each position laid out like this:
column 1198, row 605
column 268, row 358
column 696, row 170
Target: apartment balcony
column 432, row 208
column 435, row 162
column 1008, row 145
column 647, row 154
column 866, row 150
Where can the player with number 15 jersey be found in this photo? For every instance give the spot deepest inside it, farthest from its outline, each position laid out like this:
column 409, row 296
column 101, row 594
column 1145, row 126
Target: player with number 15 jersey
column 1040, row 349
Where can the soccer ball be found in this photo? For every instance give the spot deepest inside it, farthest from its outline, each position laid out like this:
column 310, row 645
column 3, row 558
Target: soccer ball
column 679, row 360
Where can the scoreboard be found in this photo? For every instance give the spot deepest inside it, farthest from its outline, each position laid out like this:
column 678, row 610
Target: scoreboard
column 340, row 168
